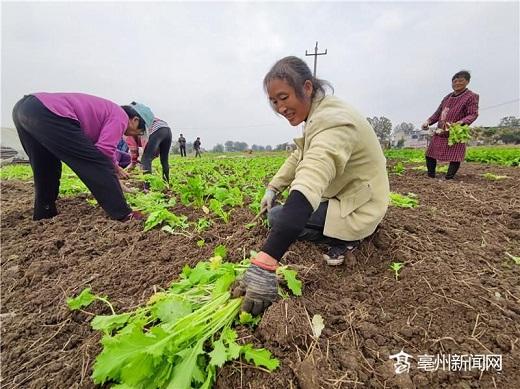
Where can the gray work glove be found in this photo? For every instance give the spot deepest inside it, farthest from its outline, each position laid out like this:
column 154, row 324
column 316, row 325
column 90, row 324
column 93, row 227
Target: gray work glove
column 260, row 287
column 268, row 199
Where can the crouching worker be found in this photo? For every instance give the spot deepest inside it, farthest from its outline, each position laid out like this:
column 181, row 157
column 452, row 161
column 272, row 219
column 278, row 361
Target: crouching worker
column 82, row 131
column 339, row 188
column 158, row 145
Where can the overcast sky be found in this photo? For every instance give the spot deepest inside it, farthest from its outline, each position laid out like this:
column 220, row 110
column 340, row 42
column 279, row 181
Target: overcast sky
column 200, row 65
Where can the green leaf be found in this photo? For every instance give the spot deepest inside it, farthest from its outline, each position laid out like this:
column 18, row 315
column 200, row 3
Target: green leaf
column 84, row 299
column 221, row 251
column 183, row 372
column 233, row 351
column 201, row 243
column 200, row 274
column 208, row 384
column 260, row 357
column 171, row 309
column 218, row 355
column 294, row 284
column 119, row 351
column 108, row 323
column 137, row 370
column 247, row 318
column 215, row 262
column 223, row 283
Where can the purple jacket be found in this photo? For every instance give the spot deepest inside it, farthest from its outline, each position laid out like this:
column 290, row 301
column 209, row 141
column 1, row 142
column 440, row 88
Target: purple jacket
column 103, row 121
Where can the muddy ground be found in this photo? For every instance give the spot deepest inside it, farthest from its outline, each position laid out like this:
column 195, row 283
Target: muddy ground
column 458, row 292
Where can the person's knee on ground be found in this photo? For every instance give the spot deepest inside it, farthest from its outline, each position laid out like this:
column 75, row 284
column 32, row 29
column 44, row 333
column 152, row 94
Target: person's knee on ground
column 273, row 216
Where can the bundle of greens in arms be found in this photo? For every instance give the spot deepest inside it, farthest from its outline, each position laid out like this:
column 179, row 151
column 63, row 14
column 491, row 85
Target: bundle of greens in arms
column 459, row 133
column 180, row 337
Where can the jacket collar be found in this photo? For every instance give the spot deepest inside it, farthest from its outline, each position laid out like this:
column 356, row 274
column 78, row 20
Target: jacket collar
column 315, row 104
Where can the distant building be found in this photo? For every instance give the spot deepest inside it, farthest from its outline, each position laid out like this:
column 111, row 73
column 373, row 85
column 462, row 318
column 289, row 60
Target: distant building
column 415, row 138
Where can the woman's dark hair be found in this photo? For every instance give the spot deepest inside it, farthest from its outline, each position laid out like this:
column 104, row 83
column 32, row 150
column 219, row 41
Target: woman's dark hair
column 462, row 74
column 295, row 72
column 132, row 113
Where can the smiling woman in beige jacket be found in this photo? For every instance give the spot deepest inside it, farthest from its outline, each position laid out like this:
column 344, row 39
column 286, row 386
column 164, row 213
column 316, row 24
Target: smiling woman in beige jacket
column 337, row 180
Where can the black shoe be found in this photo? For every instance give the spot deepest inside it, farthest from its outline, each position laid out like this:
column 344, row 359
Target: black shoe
column 336, row 254
column 44, row 211
column 431, row 175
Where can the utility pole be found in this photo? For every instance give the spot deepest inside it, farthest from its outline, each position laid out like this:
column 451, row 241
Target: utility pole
column 315, row 56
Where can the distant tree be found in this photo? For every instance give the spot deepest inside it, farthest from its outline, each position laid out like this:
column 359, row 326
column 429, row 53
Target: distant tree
column 382, row 127
column 509, row 122
column 406, row 128
column 400, row 143
column 239, row 146
column 261, row 148
column 510, row 136
column 229, row 146
column 255, row 147
column 281, row 147
column 218, row 148
column 268, row 148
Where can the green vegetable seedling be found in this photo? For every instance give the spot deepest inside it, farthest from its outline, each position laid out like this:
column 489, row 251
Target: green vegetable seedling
column 396, row 268
column 515, row 259
column 85, row 298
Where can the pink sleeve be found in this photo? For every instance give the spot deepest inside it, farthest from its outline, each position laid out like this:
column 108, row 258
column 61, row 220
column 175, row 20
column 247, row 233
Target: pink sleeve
column 472, row 110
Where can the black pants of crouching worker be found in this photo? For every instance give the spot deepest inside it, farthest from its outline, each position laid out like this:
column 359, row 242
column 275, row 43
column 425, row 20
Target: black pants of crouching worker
column 158, row 143
column 313, row 231
column 49, row 139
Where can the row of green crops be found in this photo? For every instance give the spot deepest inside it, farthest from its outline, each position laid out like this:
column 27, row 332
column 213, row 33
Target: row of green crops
column 219, row 184
column 507, row 156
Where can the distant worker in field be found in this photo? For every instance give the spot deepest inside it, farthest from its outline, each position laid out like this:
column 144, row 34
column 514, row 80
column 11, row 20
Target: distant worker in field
column 196, row 147
column 339, row 188
column 460, row 106
column 82, row 131
column 158, row 144
column 182, row 145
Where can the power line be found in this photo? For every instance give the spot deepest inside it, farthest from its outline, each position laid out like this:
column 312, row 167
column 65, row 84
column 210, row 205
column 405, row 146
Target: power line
column 274, row 124
column 499, row 105
column 226, row 127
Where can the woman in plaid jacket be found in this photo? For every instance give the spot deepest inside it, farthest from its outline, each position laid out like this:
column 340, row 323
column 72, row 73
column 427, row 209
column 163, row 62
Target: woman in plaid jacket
column 460, row 106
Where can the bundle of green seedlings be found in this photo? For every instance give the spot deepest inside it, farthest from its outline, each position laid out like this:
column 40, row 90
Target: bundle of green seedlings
column 182, row 335
column 459, row 133
column 401, row 201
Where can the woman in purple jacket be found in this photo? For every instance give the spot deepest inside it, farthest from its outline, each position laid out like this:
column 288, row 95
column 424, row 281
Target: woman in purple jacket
column 82, row 131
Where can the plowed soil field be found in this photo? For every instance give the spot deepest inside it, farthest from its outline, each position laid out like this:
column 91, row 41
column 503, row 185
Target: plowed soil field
column 458, row 293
